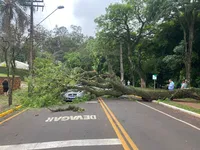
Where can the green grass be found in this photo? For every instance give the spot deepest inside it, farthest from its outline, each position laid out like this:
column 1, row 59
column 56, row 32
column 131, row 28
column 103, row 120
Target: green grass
column 16, row 100
column 5, row 75
column 181, row 106
column 189, row 100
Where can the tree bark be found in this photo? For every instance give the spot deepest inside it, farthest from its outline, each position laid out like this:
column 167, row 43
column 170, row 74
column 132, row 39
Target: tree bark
column 133, row 79
column 8, row 61
column 140, row 71
column 121, row 64
column 131, row 64
column 108, row 84
column 190, row 48
column 143, row 83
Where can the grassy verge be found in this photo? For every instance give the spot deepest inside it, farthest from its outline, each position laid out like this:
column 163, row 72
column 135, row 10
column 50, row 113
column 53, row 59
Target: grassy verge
column 17, row 94
column 5, row 75
column 189, row 100
column 181, row 106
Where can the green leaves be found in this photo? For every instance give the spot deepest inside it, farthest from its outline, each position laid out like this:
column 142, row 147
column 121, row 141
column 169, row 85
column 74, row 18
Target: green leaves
column 48, row 82
column 60, row 41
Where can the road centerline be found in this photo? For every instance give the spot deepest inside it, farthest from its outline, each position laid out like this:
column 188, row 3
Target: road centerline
column 132, row 144
column 119, row 135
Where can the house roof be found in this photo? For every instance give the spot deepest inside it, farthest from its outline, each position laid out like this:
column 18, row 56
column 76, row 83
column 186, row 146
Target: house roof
column 19, row 65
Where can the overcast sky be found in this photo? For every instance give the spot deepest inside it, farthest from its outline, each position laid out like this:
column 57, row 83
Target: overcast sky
column 76, row 12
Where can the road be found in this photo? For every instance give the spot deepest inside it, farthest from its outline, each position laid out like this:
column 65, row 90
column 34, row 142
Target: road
column 108, row 124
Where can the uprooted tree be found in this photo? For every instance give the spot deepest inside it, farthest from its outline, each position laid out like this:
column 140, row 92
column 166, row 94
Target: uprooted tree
column 110, row 84
column 51, row 79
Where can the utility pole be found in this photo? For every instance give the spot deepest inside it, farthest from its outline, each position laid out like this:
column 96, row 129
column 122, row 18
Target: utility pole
column 31, row 42
column 32, row 4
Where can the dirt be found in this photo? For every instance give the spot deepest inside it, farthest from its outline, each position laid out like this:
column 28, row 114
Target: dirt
column 194, row 105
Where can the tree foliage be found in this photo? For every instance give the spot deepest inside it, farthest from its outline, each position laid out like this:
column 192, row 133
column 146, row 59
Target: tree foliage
column 145, row 37
column 13, row 22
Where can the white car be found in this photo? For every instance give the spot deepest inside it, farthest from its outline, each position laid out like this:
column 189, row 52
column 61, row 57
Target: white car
column 70, row 95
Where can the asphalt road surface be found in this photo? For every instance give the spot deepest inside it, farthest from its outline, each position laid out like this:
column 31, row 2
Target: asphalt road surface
column 108, row 124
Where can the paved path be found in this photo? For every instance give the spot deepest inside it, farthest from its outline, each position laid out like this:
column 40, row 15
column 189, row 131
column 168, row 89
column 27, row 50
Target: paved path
column 101, row 127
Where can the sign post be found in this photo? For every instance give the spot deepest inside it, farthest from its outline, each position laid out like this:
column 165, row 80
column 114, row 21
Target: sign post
column 154, row 77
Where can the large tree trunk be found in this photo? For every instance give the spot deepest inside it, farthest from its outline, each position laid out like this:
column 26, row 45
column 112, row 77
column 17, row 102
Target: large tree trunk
column 133, row 67
column 190, row 47
column 13, row 68
column 188, row 32
column 109, row 84
column 186, row 52
column 143, row 83
column 140, row 71
column 133, row 79
column 131, row 64
column 121, row 64
column 7, row 60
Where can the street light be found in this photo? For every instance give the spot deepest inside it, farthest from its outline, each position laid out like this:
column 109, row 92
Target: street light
column 59, row 7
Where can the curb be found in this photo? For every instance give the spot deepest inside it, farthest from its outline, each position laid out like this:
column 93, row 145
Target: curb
column 177, row 108
column 9, row 111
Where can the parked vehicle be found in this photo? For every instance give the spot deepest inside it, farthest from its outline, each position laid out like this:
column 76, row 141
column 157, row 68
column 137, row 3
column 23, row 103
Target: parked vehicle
column 70, row 95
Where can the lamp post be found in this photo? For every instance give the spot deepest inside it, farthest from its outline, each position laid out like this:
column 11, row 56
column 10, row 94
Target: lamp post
column 59, row 7
column 31, row 57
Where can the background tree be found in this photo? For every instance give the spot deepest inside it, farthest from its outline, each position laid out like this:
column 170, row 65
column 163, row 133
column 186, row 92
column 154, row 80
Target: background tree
column 12, row 14
column 126, row 22
column 186, row 12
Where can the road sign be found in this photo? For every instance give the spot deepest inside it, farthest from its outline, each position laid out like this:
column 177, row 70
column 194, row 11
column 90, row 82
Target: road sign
column 154, row 77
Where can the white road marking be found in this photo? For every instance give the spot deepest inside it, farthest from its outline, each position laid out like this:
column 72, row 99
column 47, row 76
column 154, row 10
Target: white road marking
column 61, row 144
column 171, row 116
column 66, row 118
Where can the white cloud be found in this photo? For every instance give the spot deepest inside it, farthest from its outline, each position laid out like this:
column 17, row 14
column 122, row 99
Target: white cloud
column 76, row 12
column 62, row 17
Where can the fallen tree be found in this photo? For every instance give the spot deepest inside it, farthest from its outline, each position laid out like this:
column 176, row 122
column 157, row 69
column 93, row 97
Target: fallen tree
column 109, row 84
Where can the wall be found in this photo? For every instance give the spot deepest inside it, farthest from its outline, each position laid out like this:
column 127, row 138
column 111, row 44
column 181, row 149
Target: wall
column 17, row 83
